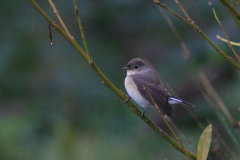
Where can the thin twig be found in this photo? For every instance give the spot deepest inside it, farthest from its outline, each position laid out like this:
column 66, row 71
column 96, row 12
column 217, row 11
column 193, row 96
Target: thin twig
column 175, row 14
column 197, row 71
column 166, row 122
column 50, row 34
column 82, row 31
column 229, row 44
column 108, row 83
column 193, row 24
column 228, row 4
column 59, row 17
column 236, row 2
column 187, row 54
column 225, row 40
column 183, row 10
column 223, row 107
column 185, row 49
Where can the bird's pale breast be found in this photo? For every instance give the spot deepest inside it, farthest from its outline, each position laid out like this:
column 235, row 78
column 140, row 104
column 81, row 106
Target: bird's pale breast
column 134, row 93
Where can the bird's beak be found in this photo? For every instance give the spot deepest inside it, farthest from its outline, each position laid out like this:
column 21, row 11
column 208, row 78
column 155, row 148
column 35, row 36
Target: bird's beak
column 126, row 68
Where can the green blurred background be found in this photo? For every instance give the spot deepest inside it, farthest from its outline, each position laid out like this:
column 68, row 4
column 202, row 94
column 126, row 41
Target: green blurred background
column 53, row 106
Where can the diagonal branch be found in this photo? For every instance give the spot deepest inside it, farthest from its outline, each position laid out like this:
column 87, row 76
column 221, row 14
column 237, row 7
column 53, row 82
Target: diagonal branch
column 108, row 83
column 194, row 25
column 232, row 10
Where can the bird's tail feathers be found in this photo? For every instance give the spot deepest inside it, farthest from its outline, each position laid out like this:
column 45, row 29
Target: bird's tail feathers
column 173, row 100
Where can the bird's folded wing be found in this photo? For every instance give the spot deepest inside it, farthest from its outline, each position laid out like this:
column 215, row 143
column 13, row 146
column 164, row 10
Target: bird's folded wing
column 157, row 91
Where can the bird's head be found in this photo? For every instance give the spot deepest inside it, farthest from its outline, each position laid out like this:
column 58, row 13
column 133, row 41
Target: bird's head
column 135, row 66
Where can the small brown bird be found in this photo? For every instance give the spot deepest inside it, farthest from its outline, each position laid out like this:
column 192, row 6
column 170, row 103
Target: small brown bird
column 140, row 74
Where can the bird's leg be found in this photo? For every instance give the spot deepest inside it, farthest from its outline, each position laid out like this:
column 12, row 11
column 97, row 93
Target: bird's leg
column 128, row 97
column 144, row 112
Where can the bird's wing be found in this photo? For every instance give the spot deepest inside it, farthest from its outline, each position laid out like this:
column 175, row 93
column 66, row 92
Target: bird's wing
column 159, row 93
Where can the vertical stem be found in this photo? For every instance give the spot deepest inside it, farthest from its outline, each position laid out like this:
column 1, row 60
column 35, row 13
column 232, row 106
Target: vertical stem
column 82, row 31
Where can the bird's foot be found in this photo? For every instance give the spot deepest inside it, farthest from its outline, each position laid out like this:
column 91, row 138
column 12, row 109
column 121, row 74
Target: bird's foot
column 128, row 97
column 144, row 112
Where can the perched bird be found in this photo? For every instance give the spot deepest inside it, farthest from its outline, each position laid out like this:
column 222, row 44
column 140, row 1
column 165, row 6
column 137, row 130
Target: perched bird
column 141, row 75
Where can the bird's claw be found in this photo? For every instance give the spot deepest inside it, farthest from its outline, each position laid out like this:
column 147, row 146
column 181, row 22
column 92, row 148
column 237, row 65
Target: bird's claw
column 144, row 112
column 128, row 97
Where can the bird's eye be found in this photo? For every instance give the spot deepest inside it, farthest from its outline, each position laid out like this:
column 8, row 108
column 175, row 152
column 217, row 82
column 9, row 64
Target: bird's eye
column 136, row 67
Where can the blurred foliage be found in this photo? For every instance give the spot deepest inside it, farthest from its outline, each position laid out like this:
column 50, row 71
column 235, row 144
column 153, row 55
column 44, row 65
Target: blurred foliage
column 52, row 104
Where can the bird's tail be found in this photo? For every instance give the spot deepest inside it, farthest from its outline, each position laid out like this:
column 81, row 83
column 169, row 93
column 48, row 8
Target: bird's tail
column 173, row 100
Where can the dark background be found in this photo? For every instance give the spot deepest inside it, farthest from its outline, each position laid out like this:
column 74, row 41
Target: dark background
column 53, row 106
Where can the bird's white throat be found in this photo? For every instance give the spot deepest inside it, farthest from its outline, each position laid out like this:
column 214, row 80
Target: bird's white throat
column 130, row 72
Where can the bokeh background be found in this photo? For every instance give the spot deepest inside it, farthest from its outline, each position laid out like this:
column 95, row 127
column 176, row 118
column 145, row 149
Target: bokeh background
column 53, row 106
